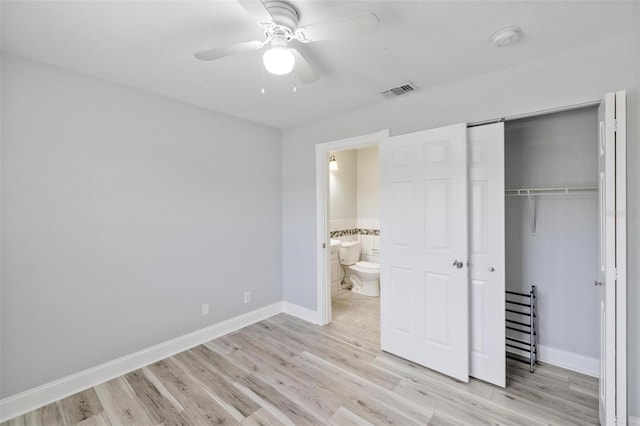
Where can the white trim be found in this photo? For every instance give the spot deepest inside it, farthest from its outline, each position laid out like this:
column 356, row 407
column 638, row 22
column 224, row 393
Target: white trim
column 621, row 255
column 634, row 421
column 322, row 214
column 32, row 399
column 570, row 361
column 301, row 312
column 323, row 292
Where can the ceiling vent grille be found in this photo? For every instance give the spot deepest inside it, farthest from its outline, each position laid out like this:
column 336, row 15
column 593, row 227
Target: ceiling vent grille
column 403, row 89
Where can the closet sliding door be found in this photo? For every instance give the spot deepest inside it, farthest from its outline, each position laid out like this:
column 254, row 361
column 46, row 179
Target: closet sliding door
column 424, row 300
column 487, row 253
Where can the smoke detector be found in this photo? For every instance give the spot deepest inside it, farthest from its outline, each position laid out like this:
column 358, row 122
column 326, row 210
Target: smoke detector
column 505, row 36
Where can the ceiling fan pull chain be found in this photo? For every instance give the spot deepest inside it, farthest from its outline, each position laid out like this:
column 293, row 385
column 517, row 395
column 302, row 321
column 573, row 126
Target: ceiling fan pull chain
column 262, row 77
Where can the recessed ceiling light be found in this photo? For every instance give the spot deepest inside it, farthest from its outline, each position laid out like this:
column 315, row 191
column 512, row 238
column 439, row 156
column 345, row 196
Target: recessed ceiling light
column 505, row 36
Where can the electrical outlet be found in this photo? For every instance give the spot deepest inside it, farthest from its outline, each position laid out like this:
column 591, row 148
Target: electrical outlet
column 205, row 309
column 247, row 296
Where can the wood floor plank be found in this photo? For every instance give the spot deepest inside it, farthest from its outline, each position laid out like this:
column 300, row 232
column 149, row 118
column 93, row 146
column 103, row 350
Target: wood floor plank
column 587, row 388
column 365, row 389
column 287, row 378
column 16, row 421
column 48, row 415
column 261, row 417
column 545, row 414
column 351, row 358
column 121, row 404
column 246, row 380
column 198, row 406
column 156, row 400
column 100, row 419
column 81, row 406
column 344, row 417
column 407, row 370
column 466, row 408
column 217, row 383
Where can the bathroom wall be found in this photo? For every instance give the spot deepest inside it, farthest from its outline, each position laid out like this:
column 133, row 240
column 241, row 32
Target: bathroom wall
column 343, row 186
column 368, row 206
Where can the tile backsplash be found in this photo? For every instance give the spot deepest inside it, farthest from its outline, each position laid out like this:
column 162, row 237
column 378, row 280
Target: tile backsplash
column 367, row 231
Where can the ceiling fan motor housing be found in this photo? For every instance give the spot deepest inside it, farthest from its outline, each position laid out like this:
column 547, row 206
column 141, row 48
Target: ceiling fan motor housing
column 283, row 14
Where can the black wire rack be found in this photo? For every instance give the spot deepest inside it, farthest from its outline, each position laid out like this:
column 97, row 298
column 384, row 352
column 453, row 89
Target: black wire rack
column 521, row 323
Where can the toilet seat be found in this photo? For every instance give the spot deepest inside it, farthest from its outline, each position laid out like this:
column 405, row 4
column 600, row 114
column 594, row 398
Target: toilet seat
column 363, row 266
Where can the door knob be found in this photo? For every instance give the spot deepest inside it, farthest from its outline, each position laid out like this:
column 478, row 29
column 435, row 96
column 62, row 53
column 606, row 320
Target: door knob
column 491, row 269
column 457, row 263
column 597, row 283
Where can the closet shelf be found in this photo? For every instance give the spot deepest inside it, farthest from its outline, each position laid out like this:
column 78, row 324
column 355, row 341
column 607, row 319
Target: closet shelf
column 551, row 191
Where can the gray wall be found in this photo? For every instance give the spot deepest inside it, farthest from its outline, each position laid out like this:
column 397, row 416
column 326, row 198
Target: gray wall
column 570, row 77
column 123, row 212
column 561, row 260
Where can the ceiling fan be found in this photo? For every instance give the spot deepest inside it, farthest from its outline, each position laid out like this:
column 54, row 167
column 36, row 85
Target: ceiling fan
column 279, row 19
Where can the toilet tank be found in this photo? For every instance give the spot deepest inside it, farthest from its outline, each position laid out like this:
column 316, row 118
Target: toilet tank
column 349, row 253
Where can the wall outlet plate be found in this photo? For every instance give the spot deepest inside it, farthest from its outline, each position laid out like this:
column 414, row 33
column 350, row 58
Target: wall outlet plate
column 205, row 309
column 247, row 296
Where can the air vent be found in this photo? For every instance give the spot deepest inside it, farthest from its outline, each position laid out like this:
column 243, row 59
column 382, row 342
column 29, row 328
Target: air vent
column 403, row 89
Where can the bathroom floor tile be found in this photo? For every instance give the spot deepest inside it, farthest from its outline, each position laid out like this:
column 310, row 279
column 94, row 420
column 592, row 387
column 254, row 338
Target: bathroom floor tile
column 357, row 315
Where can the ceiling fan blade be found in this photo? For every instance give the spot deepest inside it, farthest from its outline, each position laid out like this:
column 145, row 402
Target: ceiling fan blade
column 256, row 9
column 220, row 52
column 303, row 70
column 347, row 27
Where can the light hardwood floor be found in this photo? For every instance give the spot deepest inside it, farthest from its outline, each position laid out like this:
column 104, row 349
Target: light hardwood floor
column 286, row 371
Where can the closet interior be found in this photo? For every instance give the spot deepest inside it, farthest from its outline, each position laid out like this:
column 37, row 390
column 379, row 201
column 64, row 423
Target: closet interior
column 551, row 220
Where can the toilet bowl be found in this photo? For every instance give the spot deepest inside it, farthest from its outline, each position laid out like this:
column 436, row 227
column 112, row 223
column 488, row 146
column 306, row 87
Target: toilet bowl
column 365, row 278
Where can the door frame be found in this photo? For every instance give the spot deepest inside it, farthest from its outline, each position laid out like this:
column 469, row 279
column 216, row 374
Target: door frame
column 323, row 258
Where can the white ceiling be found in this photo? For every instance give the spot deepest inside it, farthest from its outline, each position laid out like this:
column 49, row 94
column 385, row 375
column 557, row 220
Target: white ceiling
column 150, row 45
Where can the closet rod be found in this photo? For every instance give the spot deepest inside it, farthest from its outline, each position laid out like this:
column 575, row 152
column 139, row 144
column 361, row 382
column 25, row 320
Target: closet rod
column 535, row 113
column 580, row 190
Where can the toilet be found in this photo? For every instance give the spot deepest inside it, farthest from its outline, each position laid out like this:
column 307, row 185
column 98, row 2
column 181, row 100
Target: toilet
column 364, row 276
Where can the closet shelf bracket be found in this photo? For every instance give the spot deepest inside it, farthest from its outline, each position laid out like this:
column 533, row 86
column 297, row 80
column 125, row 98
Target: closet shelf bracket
column 532, row 215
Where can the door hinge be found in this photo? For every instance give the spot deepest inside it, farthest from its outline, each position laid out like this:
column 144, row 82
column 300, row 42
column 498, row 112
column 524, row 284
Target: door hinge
column 615, row 273
column 324, row 245
column 615, row 125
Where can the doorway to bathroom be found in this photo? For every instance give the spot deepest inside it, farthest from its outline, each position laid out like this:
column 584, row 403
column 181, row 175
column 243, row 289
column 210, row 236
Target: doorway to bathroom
column 354, row 230
column 349, row 225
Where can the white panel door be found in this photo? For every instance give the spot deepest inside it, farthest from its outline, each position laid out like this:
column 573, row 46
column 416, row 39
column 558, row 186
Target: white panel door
column 612, row 268
column 487, row 253
column 424, row 277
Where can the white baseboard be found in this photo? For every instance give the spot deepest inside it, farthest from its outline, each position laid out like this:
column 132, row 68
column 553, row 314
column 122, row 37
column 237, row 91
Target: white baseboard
column 634, row 421
column 301, row 312
column 32, row 399
column 569, row 360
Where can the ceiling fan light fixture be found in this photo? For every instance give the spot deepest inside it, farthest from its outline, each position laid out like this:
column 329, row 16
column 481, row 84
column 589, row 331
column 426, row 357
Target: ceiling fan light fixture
column 278, row 60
